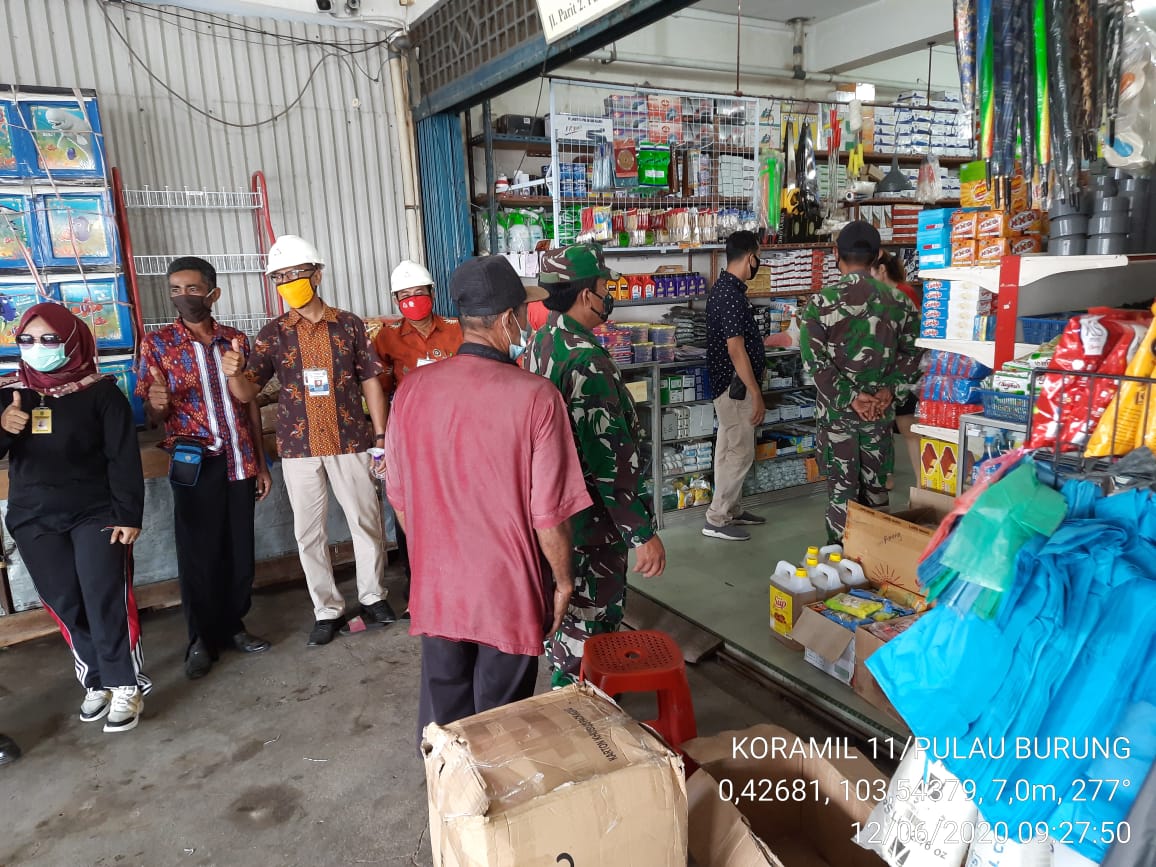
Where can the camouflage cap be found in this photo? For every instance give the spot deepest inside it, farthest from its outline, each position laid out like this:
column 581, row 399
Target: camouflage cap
column 576, row 262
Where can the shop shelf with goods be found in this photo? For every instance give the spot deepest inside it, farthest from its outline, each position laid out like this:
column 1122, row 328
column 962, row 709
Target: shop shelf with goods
column 1033, row 286
column 209, row 219
column 982, row 437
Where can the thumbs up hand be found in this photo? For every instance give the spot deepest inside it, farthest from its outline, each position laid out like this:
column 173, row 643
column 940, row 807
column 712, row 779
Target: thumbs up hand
column 233, row 361
column 14, row 419
column 158, row 391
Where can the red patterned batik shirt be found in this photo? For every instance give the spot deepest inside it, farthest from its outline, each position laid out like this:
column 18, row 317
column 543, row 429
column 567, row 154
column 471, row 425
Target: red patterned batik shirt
column 202, row 408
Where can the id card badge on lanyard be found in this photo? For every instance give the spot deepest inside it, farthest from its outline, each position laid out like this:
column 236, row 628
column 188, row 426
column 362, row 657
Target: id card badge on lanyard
column 42, row 420
column 316, row 382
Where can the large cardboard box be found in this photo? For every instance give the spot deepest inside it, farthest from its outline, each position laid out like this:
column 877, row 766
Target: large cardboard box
column 889, row 546
column 828, row 646
column 868, row 639
column 743, row 815
column 564, row 777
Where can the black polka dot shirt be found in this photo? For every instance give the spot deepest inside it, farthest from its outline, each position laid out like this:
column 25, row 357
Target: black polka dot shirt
column 729, row 314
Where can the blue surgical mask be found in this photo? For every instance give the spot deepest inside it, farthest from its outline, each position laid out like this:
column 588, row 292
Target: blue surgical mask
column 44, row 359
column 516, row 349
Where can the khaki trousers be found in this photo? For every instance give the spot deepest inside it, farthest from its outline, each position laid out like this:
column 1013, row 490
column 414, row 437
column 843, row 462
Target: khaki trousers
column 305, row 481
column 734, row 453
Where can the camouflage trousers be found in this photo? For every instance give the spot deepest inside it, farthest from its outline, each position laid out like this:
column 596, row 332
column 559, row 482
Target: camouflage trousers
column 858, row 458
column 597, row 606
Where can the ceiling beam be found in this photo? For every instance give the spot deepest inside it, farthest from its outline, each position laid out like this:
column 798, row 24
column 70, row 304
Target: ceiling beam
column 876, row 31
column 387, row 14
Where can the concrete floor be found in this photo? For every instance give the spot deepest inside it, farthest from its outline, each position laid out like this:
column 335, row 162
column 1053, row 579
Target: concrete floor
column 723, row 588
column 296, row 756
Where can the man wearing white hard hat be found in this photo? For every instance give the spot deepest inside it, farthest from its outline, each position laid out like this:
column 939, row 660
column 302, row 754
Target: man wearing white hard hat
column 325, row 364
column 420, row 337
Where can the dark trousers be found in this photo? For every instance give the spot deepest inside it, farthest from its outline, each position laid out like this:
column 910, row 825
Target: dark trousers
column 403, row 557
column 214, row 534
column 86, row 585
column 460, row 679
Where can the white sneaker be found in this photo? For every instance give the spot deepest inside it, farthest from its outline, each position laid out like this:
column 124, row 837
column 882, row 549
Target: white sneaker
column 95, row 706
column 127, row 704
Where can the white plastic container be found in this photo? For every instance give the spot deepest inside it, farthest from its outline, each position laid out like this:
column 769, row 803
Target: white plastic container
column 826, row 552
column 850, row 572
column 813, row 551
column 824, row 578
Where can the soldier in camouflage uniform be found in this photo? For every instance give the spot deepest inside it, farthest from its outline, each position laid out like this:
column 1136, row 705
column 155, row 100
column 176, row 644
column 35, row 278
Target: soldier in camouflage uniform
column 858, row 342
column 606, row 432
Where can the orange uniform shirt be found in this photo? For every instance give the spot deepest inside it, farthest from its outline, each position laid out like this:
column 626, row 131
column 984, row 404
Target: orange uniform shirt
column 402, row 348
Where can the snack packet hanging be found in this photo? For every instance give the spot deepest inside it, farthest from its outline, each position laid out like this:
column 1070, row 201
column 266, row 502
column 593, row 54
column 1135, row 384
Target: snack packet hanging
column 1122, row 426
column 1068, row 407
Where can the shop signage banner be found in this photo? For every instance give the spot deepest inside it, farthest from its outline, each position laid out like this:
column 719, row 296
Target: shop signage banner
column 562, row 17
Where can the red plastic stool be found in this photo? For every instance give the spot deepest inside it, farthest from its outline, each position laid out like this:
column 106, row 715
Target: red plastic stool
column 644, row 661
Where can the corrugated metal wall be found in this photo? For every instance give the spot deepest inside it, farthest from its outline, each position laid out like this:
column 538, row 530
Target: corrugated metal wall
column 330, row 160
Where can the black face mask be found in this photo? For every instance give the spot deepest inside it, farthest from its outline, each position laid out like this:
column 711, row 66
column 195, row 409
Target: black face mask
column 607, row 306
column 192, row 308
column 755, row 268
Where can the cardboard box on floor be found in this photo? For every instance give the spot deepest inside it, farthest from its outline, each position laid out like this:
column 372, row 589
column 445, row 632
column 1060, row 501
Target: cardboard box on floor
column 564, row 777
column 868, row 639
column 889, row 546
column 777, row 831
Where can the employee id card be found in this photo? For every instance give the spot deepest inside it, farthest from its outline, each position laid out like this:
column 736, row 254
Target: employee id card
column 317, row 382
column 422, row 362
column 42, row 420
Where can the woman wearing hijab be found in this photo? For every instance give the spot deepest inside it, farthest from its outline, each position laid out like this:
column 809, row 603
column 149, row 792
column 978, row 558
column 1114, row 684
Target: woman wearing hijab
column 76, row 500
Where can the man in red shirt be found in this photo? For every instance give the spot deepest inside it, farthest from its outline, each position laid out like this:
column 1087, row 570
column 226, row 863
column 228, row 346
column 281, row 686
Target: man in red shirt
column 483, row 507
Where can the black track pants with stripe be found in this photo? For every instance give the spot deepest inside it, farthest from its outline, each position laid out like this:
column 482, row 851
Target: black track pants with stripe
column 86, row 585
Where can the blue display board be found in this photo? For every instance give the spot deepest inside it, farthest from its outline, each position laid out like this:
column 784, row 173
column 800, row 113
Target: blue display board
column 10, row 166
column 125, row 375
column 64, row 139
column 102, row 302
column 16, row 230
column 76, row 227
column 15, row 298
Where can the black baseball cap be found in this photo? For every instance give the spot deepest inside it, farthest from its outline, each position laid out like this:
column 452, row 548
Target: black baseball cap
column 859, row 238
column 489, row 285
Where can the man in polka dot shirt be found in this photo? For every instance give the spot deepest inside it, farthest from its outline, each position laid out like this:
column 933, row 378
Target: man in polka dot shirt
column 736, row 359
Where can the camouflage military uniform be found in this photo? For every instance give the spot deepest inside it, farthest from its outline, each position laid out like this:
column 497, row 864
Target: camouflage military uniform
column 858, row 336
column 605, row 425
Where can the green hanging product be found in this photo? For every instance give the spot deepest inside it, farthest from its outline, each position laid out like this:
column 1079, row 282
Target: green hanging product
column 984, row 547
column 653, row 165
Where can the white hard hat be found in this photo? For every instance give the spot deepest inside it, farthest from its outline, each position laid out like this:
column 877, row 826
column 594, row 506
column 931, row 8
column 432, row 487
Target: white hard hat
column 290, row 250
column 409, row 275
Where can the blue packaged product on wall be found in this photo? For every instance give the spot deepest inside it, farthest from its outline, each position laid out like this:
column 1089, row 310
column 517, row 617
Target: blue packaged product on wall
column 122, row 369
column 16, row 231
column 102, row 302
column 16, row 296
column 64, row 137
column 76, row 228
column 10, row 137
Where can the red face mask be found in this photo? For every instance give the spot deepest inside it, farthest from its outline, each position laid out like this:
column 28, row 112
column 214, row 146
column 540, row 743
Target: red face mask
column 416, row 308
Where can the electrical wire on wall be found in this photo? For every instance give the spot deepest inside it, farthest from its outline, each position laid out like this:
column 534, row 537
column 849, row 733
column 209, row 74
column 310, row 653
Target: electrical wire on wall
column 344, row 54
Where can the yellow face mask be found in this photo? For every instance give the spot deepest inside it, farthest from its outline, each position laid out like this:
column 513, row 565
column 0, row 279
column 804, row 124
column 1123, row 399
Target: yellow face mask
column 297, row 293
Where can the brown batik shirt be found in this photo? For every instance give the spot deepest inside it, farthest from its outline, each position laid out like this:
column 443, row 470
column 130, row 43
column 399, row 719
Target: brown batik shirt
column 320, row 366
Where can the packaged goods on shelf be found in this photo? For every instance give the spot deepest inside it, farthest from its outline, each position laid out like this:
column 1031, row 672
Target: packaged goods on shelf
column 939, row 464
column 936, row 413
column 1069, row 408
column 951, row 389
column 686, row 492
column 937, row 362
